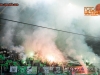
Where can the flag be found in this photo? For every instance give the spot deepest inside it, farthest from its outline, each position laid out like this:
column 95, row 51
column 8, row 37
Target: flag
column 13, row 69
column 31, row 70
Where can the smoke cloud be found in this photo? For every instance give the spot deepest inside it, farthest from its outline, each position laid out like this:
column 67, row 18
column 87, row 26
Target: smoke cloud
column 43, row 44
column 54, row 14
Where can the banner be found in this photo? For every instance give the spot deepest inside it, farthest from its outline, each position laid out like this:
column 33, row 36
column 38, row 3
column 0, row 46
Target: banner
column 58, row 70
column 51, row 68
column 46, row 69
column 65, row 69
column 13, row 69
column 34, row 69
column 31, row 70
column 22, row 70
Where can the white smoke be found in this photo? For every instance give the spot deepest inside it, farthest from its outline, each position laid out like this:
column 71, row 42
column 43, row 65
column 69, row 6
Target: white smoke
column 9, row 29
column 42, row 42
column 56, row 14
